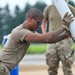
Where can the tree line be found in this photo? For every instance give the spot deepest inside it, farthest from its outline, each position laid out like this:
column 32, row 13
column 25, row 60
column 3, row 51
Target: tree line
column 8, row 21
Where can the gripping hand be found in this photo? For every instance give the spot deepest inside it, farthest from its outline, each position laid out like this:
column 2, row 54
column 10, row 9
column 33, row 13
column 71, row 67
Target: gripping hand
column 68, row 18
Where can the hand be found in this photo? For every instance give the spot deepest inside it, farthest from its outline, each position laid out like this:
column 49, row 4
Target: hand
column 68, row 18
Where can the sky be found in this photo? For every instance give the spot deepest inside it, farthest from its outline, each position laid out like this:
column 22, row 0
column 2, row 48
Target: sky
column 20, row 3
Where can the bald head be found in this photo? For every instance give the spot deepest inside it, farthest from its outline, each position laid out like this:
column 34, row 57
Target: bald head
column 34, row 12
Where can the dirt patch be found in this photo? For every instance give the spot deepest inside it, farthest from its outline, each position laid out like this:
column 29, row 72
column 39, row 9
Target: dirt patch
column 39, row 70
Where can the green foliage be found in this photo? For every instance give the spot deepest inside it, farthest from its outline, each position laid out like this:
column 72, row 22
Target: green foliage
column 71, row 3
column 1, row 47
column 37, row 49
column 9, row 20
column 34, row 48
column 74, row 46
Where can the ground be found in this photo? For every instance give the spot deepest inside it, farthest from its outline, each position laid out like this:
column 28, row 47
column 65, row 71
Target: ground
column 39, row 70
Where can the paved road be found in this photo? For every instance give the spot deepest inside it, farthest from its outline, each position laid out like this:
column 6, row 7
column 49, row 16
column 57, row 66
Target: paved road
column 34, row 60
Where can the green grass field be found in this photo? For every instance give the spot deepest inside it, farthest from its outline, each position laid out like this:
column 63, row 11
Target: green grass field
column 37, row 48
column 34, row 48
column 1, row 47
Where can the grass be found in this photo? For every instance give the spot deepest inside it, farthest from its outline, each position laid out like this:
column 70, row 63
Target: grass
column 40, row 48
column 34, row 48
column 1, row 47
column 37, row 49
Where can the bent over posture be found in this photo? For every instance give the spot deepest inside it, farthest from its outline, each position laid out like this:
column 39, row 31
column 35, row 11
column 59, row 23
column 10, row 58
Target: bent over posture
column 21, row 36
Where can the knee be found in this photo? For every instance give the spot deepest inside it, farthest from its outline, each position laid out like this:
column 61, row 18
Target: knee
column 52, row 60
column 70, row 59
column 3, row 70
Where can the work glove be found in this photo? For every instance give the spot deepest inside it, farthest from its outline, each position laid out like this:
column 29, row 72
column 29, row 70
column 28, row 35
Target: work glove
column 67, row 19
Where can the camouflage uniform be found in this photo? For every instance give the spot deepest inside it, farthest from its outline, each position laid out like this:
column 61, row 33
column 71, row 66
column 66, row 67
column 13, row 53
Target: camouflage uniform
column 61, row 51
column 3, row 69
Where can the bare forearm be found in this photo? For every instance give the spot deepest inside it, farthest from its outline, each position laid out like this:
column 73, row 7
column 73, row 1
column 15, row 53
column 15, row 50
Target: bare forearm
column 59, row 38
column 44, row 38
column 55, row 36
column 56, row 33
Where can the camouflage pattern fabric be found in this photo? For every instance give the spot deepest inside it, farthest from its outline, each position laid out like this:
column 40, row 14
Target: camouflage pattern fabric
column 3, row 69
column 63, row 52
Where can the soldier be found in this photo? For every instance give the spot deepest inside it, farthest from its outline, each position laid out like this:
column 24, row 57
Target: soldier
column 21, row 36
column 61, row 51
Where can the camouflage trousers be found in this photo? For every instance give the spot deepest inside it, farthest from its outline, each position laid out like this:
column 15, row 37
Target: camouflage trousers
column 63, row 52
column 3, row 69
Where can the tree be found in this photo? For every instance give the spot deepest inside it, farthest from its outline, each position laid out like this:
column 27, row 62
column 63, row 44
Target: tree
column 17, row 10
column 8, row 21
column 41, row 6
column 1, row 24
column 71, row 3
column 4, row 21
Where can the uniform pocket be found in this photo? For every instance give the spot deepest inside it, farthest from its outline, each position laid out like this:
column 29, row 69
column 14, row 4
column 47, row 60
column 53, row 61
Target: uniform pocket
column 2, row 70
column 70, row 58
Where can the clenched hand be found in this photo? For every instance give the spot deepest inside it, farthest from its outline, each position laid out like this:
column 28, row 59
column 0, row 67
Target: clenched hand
column 68, row 18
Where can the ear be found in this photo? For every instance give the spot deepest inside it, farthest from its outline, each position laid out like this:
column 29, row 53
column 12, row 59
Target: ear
column 29, row 18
